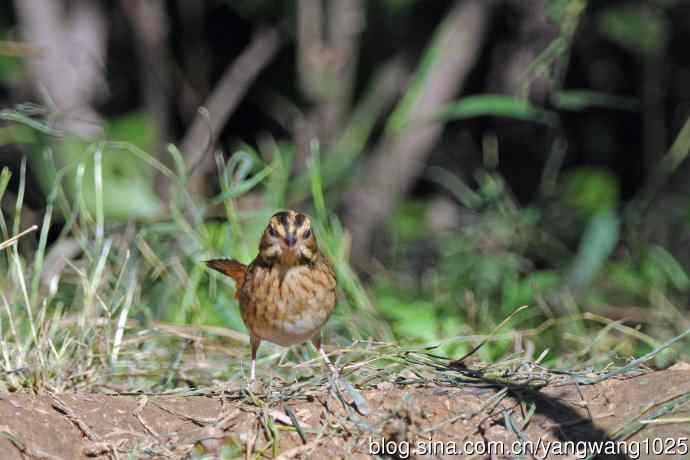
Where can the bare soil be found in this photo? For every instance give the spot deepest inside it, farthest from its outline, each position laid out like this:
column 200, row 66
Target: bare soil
column 79, row 426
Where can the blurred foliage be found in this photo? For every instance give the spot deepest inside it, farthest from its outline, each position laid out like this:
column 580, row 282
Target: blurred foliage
column 591, row 190
column 497, row 106
column 641, row 29
column 506, row 257
column 583, row 99
column 127, row 183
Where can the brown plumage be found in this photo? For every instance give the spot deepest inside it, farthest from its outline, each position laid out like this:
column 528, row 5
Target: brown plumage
column 288, row 292
column 232, row 268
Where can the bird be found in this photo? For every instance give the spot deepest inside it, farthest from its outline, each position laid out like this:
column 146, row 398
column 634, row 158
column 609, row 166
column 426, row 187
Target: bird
column 288, row 292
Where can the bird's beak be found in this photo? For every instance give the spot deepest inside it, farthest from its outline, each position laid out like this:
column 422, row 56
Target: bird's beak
column 290, row 240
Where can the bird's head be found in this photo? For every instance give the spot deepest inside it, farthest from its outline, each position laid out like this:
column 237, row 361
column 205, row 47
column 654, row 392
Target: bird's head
column 289, row 239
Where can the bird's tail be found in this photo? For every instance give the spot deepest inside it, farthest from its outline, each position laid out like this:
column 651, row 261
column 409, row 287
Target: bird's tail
column 232, row 268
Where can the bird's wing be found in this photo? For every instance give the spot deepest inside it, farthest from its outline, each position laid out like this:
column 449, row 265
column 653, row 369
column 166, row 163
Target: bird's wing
column 232, row 268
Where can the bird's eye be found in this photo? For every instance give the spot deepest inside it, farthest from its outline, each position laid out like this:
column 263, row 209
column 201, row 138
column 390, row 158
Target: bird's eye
column 272, row 232
column 307, row 233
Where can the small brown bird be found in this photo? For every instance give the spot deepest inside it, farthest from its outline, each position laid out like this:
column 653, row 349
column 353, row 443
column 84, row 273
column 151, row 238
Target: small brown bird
column 288, row 292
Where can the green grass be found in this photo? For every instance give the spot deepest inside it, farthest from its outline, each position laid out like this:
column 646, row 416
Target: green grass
column 126, row 305
column 129, row 304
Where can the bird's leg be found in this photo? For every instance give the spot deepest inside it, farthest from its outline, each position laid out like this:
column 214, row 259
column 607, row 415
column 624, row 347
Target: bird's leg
column 316, row 340
column 254, row 341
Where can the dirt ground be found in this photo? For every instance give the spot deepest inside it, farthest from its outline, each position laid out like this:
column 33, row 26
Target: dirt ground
column 422, row 416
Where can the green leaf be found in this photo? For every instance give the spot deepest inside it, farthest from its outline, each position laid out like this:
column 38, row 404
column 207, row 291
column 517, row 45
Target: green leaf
column 582, row 99
column 277, row 183
column 591, row 189
column 642, row 30
column 17, row 134
column 411, row 319
column 598, row 242
column 317, row 184
column 556, row 9
column 407, row 223
column 127, row 181
column 493, row 105
column 522, row 291
column 11, row 68
column 402, row 115
column 244, row 186
column 5, row 177
column 135, row 128
column 18, row 117
column 670, row 266
column 626, row 277
column 127, row 169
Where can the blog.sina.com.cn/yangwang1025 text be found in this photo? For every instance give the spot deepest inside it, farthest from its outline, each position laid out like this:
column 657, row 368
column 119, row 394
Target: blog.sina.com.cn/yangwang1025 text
column 539, row 448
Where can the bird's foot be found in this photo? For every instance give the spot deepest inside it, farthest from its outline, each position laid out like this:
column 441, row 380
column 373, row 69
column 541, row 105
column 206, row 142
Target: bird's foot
column 255, row 387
